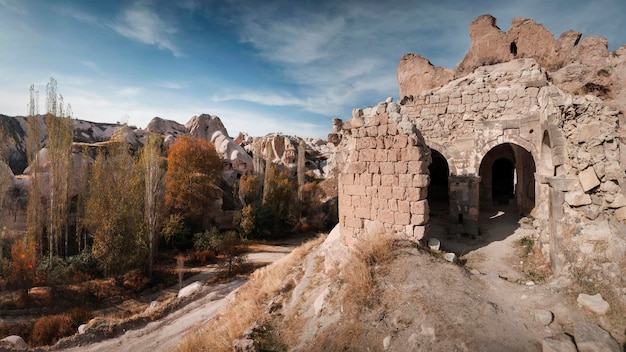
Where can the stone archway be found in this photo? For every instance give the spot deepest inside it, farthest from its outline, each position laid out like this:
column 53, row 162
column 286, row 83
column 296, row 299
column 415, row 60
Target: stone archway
column 507, row 173
column 438, row 189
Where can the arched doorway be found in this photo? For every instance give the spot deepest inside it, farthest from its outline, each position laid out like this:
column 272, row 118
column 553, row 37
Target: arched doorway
column 507, row 178
column 438, row 193
column 502, row 181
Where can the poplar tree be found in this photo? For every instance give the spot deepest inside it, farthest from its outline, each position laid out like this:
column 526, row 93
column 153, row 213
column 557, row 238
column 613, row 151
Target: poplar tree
column 34, row 209
column 154, row 175
column 6, row 180
column 60, row 137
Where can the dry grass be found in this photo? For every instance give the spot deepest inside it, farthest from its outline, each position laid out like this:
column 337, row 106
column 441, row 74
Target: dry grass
column 359, row 284
column 247, row 305
column 357, row 275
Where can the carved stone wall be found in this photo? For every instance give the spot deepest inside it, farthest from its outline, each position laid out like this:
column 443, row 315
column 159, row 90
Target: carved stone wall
column 384, row 182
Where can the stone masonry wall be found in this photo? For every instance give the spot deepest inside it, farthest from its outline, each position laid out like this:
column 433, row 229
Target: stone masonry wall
column 384, row 182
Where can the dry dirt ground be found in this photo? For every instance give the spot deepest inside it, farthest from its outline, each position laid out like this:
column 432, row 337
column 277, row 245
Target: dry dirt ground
column 416, row 301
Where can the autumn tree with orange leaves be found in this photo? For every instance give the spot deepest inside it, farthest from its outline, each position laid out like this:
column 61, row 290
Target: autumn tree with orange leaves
column 193, row 169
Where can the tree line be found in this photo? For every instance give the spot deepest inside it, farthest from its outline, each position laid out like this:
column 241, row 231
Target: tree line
column 110, row 208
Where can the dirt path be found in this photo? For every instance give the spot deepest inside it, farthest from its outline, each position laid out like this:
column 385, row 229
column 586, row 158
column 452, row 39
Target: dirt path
column 494, row 250
column 165, row 333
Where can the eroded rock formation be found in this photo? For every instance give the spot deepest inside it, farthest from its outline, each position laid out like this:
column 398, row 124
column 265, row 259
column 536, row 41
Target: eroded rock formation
column 576, row 64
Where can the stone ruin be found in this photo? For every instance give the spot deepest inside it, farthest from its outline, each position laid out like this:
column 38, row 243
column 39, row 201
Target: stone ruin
column 383, row 184
column 523, row 119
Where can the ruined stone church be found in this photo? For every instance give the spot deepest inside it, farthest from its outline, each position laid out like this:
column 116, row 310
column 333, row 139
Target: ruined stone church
column 524, row 119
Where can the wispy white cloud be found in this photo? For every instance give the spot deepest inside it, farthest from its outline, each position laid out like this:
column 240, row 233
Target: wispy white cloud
column 91, row 65
column 14, row 6
column 172, row 85
column 142, row 23
column 129, row 92
column 259, row 97
column 79, row 15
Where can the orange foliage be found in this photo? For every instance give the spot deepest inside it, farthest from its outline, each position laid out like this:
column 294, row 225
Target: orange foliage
column 193, row 168
column 23, row 254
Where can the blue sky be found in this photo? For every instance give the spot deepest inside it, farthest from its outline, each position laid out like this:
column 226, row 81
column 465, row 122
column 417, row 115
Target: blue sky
column 262, row 66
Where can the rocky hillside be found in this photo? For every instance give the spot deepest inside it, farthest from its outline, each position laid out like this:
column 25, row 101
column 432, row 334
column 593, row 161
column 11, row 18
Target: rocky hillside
column 396, row 296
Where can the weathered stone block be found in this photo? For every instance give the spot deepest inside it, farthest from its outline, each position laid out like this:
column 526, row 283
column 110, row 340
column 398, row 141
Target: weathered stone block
column 373, row 168
column 577, row 199
column 385, row 192
column 419, row 207
column 401, row 167
column 392, row 204
column 372, row 191
column 376, row 179
column 387, row 168
column 362, row 212
column 417, row 167
column 402, row 218
column 400, row 142
column 365, row 179
column 356, row 167
column 588, row 179
column 385, row 216
column 421, row 180
column 381, row 155
column 399, row 193
column 389, row 180
column 367, row 155
column 416, row 194
column 355, row 190
column 405, row 180
column 354, row 222
column 419, row 219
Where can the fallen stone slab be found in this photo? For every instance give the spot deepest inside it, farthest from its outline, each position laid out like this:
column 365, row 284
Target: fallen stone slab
column 558, row 343
column 592, row 338
column 595, row 303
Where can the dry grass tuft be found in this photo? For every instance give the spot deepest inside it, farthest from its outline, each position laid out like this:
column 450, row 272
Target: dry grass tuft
column 358, row 275
column 247, row 305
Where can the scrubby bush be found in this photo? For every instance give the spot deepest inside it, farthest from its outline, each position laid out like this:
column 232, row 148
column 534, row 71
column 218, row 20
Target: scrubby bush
column 49, row 329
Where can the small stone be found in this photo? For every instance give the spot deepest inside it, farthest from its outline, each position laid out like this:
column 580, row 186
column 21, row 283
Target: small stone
column 558, row 343
column 189, row 289
column 153, row 305
column 592, row 338
column 434, row 244
column 451, row 257
column 387, row 342
column 16, row 341
column 544, row 317
column 474, row 272
column 530, row 283
column 595, row 303
column 82, row 328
